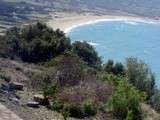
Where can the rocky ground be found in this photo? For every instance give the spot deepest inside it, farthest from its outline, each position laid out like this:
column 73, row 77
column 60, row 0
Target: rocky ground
column 6, row 114
column 16, row 101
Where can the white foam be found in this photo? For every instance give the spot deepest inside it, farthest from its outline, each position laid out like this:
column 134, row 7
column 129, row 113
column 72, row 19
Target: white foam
column 93, row 44
column 132, row 21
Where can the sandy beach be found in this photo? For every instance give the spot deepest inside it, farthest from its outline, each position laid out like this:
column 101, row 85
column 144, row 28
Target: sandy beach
column 67, row 21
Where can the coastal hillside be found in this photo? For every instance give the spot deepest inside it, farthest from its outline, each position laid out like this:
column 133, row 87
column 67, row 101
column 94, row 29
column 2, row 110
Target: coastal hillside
column 45, row 76
column 142, row 8
column 48, row 74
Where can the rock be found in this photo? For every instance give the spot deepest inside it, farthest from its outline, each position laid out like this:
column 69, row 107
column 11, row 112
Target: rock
column 33, row 104
column 5, row 87
column 16, row 86
column 2, row 100
column 15, row 100
column 41, row 99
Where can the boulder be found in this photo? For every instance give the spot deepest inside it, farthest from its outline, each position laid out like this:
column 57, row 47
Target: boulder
column 33, row 104
column 4, row 87
column 16, row 86
column 41, row 99
column 15, row 100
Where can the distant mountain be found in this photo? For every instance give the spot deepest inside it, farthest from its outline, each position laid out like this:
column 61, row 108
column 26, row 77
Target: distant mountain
column 13, row 12
column 149, row 8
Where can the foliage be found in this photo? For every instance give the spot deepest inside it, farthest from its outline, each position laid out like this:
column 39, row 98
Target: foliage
column 69, row 69
column 140, row 76
column 3, row 47
column 114, row 79
column 36, row 43
column 4, row 77
column 80, row 100
column 83, row 110
column 40, row 79
column 129, row 115
column 114, row 68
column 87, row 53
column 72, row 82
column 51, row 90
column 125, row 102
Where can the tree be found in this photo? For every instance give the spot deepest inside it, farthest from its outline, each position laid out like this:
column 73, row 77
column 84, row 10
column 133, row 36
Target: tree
column 87, row 53
column 125, row 102
column 69, row 69
column 117, row 69
column 141, row 76
column 36, row 43
column 3, row 47
column 108, row 67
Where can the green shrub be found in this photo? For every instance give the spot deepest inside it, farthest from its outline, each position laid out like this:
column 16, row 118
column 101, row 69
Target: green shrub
column 113, row 78
column 89, row 108
column 4, row 77
column 36, row 43
column 129, row 115
column 141, row 76
column 50, row 91
column 114, row 68
column 3, row 47
column 76, row 111
column 82, row 110
column 87, row 52
column 57, row 104
column 126, row 99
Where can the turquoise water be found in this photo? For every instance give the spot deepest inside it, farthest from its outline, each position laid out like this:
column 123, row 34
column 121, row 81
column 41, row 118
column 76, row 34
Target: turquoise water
column 118, row 40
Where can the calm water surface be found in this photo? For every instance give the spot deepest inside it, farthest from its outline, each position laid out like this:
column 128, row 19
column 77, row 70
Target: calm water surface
column 118, row 40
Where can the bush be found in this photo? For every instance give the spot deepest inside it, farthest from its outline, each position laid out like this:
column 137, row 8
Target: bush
column 81, row 100
column 82, row 110
column 129, row 115
column 87, row 53
column 140, row 76
column 69, row 69
column 89, row 108
column 126, row 99
column 109, row 66
column 50, row 91
column 114, row 68
column 40, row 79
column 36, row 43
column 3, row 47
column 5, row 78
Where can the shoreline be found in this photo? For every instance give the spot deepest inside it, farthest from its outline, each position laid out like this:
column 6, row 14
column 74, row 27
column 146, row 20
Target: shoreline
column 67, row 22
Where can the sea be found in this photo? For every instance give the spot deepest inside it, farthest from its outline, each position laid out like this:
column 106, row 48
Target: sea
column 120, row 39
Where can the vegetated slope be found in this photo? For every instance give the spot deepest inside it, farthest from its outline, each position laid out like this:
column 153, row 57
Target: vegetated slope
column 139, row 7
column 16, row 12
column 17, row 71
column 71, row 78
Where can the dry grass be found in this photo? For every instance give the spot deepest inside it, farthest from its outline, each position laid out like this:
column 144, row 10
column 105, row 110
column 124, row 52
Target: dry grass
column 149, row 113
column 98, row 92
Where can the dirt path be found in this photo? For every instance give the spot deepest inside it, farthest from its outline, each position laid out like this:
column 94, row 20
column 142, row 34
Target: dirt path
column 6, row 114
